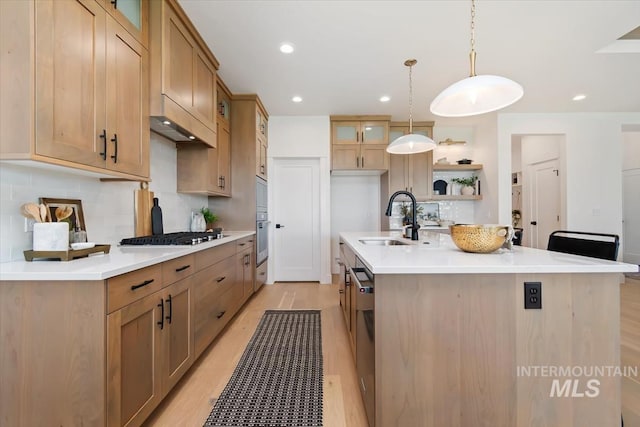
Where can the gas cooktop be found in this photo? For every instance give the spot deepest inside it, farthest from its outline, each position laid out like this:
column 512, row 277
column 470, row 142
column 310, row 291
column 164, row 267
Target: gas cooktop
column 180, row 238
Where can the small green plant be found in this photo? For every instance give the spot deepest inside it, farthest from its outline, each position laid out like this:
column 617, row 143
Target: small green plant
column 209, row 216
column 466, row 182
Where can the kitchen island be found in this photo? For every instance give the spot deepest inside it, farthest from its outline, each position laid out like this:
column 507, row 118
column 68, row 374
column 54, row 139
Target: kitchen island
column 454, row 345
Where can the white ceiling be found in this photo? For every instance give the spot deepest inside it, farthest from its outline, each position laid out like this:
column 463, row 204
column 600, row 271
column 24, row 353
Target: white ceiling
column 349, row 53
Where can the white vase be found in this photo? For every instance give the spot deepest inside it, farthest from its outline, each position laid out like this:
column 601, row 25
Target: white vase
column 467, row 190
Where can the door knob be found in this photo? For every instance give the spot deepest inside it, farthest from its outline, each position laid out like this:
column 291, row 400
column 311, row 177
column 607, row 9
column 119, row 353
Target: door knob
column 279, row 226
column 534, row 222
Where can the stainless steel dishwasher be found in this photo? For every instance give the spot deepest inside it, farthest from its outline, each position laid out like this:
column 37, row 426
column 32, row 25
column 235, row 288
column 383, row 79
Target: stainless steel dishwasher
column 363, row 279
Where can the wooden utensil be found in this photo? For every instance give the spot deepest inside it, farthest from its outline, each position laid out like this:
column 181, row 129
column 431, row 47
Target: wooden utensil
column 63, row 212
column 33, row 211
column 43, row 212
column 142, row 210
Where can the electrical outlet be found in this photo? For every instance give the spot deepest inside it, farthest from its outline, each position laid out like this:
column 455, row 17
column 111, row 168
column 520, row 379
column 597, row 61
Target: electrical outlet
column 533, row 295
column 28, row 224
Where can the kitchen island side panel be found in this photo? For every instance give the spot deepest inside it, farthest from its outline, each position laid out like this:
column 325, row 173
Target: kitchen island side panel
column 449, row 349
column 52, row 353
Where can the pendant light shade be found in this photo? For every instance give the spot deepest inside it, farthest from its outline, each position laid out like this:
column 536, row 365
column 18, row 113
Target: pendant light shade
column 476, row 94
column 411, row 143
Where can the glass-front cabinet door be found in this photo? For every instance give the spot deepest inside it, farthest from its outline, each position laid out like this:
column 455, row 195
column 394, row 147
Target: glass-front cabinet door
column 132, row 15
column 346, row 132
column 374, row 132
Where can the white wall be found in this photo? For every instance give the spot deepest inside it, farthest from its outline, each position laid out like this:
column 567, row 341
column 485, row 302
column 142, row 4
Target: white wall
column 630, row 150
column 486, row 152
column 305, row 136
column 355, row 206
column 107, row 206
column 631, row 196
column 593, row 143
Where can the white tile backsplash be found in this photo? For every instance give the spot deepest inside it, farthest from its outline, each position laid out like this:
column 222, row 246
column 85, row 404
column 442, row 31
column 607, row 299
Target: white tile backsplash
column 108, row 206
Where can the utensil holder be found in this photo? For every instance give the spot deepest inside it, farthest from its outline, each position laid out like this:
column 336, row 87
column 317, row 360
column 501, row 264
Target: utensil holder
column 50, row 236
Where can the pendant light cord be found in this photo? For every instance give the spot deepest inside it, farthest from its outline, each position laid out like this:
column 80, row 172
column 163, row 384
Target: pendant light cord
column 410, row 63
column 472, row 54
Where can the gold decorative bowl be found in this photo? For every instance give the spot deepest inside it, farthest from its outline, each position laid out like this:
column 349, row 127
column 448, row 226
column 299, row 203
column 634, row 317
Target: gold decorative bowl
column 480, row 238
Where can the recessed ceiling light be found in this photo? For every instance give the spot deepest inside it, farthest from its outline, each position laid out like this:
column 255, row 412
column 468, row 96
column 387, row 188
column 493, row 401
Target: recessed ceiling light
column 579, row 97
column 191, row 137
column 296, row 99
column 385, row 99
column 286, row 48
column 167, row 122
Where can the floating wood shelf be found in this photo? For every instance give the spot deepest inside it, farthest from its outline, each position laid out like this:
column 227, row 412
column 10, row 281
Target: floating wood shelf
column 457, row 167
column 455, row 197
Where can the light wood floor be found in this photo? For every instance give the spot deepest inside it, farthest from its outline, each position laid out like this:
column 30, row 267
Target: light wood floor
column 190, row 402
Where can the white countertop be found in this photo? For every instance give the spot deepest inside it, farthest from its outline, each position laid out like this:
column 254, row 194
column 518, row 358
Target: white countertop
column 436, row 253
column 119, row 260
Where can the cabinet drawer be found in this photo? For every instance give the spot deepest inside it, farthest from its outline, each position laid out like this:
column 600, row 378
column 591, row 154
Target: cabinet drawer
column 244, row 244
column 217, row 316
column 211, row 286
column 178, row 268
column 211, row 256
column 127, row 288
column 347, row 255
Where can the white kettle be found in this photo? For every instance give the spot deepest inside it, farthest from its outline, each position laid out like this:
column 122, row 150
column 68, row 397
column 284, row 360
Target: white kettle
column 198, row 224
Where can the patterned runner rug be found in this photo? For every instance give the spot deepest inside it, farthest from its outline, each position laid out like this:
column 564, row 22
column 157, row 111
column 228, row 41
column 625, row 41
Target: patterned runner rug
column 278, row 380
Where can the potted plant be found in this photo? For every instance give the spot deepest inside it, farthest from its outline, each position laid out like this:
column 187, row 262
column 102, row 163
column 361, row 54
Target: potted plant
column 209, row 217
column 468, row 185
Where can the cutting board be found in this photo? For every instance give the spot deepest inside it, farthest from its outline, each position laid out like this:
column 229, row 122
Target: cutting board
column 142, row 207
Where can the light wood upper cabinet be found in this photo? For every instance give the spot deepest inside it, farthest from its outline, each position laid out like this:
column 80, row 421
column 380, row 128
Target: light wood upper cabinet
column 89, row 88
column 359, row 142
column 127, row 102
column 411, row 172
column 183, row 73
column 133, row 15
column 205, row 170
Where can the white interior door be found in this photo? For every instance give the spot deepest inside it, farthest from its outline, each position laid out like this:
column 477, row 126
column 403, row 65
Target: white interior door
column 631, row 216
column 545, row 202
column 296, row 216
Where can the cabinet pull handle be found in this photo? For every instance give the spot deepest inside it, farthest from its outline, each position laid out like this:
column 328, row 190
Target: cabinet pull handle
column 347, row 275
column 363, row 136
column 161, row 321
column 358, row 161
column 221, row 314
column 220, row 279
column 103, row 136
column 241, row 244
column 362, row 161
column 341, row 291
column 184, row 267
column 115, row 149
column 247, row 260
column 170, row 309
column 145, row 283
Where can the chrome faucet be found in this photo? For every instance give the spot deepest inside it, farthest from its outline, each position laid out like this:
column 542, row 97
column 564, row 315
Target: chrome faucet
column 414, row 224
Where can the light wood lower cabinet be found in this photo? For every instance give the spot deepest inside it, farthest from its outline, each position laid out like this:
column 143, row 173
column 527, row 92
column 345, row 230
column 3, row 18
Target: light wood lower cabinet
column 134, row 345
column 245, row 261
column 99, row 353
column 215, row 296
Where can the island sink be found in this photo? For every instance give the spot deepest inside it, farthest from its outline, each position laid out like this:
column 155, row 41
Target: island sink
column 382, row 242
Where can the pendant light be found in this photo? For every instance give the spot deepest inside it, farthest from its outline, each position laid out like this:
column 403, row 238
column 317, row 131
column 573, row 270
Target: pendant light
column 411, row 143
column 476, row 94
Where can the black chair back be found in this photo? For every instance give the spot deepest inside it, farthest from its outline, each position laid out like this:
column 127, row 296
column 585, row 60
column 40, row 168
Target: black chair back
column 595, row 245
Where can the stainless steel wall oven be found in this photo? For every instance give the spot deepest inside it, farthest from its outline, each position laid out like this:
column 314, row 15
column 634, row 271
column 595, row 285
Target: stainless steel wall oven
column 262, row 222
